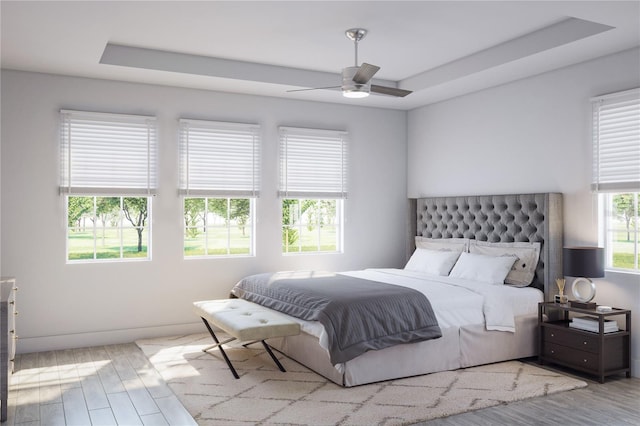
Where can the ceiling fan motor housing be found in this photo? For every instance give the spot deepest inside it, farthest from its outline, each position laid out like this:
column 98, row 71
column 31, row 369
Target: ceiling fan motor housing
column 350, row 88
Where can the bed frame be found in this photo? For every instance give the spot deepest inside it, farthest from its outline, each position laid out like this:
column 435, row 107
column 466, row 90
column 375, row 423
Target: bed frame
column 495, row 218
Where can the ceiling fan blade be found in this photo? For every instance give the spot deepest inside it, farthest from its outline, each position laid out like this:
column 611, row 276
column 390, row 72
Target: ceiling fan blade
column 365, row 73
column 391, row 91
column 314, row 88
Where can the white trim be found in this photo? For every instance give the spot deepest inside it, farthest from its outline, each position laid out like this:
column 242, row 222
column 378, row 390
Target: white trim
column 610, row 96
column 108, row 115
column 103, row 337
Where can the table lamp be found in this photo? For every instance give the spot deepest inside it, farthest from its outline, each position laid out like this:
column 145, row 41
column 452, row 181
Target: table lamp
column 583, row 263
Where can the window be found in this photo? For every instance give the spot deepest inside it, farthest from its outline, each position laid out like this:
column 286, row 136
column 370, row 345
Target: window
column 107, row 227
column 616, row 175
column 310, row 225
column 313, row 171
column 621, row 230
column 218, row 226
column 108, row 175
column 220, row 180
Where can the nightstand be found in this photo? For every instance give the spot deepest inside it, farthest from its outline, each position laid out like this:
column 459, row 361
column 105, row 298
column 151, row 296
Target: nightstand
column 598, row 353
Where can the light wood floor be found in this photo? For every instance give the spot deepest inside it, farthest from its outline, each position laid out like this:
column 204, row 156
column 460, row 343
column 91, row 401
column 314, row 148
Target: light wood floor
column 109, row 385
column 105, row 385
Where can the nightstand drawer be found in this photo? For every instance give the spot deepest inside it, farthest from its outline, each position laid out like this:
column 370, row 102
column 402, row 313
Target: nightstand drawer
column 571, row 339
column 582, row 359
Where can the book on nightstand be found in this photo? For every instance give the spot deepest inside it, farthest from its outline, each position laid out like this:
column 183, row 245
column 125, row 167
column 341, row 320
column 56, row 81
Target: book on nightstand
column 591, row 324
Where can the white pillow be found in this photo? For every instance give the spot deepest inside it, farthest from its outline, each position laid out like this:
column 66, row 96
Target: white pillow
column 523, row 270
column 432, row 262
column 478, row 267
column 450, row 244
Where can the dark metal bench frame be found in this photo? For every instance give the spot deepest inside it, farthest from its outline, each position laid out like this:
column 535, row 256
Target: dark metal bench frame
column 219, row 344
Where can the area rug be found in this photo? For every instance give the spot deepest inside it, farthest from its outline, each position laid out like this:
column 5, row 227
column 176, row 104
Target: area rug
column 264, row 395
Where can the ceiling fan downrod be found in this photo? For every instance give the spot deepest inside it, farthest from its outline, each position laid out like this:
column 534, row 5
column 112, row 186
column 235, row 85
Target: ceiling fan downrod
column 356, row 34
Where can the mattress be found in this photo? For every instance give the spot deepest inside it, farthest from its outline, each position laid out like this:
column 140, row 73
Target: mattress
column 456, row 302
column 481, row 323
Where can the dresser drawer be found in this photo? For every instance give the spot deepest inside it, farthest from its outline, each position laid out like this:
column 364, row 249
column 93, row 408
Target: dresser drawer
column 571, row 339
column 574, row 357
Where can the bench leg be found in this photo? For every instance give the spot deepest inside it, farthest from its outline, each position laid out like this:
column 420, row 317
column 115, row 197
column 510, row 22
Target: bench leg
column 266, row 346
column 219, row 345
column 273, row 356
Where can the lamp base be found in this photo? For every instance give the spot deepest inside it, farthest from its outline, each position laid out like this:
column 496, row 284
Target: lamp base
column 582, row 305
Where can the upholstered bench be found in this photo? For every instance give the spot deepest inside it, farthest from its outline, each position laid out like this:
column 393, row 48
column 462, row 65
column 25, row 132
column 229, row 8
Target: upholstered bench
column 244, row 321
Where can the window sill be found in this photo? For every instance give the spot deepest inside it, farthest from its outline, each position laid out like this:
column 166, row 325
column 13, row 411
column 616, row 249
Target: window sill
column 622, row 276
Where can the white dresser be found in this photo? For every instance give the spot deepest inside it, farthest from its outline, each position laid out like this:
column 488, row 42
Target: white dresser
column 7, row 338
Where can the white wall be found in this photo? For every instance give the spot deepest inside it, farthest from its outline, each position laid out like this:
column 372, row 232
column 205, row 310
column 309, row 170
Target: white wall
column 65, row 305
column 531, row 135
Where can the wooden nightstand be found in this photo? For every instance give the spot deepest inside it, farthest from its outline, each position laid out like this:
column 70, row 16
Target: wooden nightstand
column 598, row 353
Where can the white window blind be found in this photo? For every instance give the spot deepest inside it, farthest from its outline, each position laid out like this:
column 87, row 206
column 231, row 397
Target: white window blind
column 219, row 159
column 111, row 154
column 313, row 163
column 616, row 142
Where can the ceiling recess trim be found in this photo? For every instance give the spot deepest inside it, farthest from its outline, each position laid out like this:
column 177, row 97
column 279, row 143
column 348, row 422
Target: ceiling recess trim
column 555, row 35
column 162, row 60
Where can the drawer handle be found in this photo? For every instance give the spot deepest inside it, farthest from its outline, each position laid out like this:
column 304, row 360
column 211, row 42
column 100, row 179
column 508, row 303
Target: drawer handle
column 584, row 343
column 15, row 313
column 553, row 335
column 584, row 360
column 552, row 351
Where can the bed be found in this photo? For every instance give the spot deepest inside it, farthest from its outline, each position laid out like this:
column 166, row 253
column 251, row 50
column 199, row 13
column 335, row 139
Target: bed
column 479, row 324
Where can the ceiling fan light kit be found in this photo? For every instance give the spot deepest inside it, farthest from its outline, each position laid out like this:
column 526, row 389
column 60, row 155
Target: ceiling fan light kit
column 351, row 89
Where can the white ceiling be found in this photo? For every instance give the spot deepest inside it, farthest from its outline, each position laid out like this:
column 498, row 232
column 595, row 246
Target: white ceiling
column 438, row 49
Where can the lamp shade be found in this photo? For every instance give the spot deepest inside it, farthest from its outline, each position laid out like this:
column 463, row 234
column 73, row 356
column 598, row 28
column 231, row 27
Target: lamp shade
column 585, row 262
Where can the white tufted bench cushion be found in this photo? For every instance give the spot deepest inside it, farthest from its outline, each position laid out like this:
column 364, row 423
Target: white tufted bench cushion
column 245, row 321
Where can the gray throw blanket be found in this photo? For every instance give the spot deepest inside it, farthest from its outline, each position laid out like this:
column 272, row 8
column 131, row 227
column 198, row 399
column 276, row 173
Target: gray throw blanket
column 357, row 314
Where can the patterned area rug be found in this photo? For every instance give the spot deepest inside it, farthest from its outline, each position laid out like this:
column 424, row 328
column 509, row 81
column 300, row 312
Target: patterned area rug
column 264, row 395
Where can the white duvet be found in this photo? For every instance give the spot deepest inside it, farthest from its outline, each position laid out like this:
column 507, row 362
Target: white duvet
column 455, row 301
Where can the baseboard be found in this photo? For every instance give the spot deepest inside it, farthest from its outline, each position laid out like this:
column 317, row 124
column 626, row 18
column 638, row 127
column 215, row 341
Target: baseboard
column 99, row 338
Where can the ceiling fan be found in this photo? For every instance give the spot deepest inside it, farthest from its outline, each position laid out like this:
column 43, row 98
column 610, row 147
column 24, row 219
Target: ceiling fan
column 356, row 80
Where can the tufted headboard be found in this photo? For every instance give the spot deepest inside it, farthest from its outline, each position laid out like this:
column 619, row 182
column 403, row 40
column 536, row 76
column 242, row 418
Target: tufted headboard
column 498, row 218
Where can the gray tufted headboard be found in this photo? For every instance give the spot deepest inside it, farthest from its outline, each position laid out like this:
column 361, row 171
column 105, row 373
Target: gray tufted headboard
column 498, row 218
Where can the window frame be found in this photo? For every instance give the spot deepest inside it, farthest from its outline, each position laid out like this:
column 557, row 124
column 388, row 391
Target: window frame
column 606, row 231
column 210, row 152
column 616, row 167
column 92, row 146
column 119, row 228
column 228, row 255
column 313, row 165
column 339, row 225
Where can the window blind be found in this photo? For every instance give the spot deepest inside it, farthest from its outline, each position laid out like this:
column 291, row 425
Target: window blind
column 111, row 154
column 219, row 159
column 313, row 163
column 616, row 142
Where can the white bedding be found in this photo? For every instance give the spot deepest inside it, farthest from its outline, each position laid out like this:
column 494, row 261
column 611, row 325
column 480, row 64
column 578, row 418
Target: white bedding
column 456, row 302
